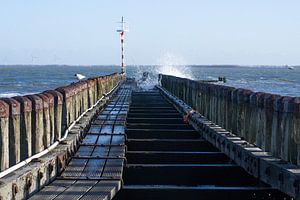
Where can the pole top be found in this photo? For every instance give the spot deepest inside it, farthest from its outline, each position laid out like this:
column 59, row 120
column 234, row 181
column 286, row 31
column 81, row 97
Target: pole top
column 123, row 26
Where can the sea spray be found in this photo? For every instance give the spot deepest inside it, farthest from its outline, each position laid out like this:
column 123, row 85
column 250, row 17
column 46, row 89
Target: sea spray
column 168, row 64
column 174, row 65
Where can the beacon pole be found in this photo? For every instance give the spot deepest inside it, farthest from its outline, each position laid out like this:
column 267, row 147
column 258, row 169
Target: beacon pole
column 122, row 30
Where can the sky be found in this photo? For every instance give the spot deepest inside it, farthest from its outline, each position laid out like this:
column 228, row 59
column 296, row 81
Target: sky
column 77, row 32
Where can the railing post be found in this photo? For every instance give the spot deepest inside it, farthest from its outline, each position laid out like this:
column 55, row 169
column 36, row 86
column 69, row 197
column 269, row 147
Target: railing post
column 274, row 103
column 37, row 124
column 14, row 130
column 56, row 113
column 25, row 126
column 46, row 120
column 288, row 147
column 296, row 127
column 4, row 135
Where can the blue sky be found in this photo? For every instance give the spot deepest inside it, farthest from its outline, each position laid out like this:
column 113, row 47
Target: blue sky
column 80, row 32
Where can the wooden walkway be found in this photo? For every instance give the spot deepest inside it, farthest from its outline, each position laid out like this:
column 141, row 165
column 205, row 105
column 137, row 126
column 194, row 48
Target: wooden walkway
column 95, row 171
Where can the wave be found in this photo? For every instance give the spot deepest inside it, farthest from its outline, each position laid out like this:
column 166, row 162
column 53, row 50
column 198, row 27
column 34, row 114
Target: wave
column 13, row 94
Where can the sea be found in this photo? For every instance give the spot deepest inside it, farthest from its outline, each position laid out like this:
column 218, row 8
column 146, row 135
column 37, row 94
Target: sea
column 28, row 79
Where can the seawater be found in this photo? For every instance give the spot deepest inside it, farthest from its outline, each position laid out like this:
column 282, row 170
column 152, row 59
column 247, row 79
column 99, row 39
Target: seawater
column 24, row 79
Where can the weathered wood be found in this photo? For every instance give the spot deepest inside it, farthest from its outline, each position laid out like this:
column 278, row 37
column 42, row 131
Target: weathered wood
column 30, row 124
column 25, row 127
column 14, row 130
column 270, row 121
column 4, row 135
column 278, row 173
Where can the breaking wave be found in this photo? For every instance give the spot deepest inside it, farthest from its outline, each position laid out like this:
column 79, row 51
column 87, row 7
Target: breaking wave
column 9, row 94
column 169, row 64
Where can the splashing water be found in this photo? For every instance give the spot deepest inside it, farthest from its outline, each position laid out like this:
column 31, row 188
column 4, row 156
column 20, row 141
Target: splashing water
column 174, row 65
column 168, row 64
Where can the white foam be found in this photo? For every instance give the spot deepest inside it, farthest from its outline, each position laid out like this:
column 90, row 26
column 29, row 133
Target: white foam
column 174, row 65
column 13, row 94
column 169, row 64
column 9, row 94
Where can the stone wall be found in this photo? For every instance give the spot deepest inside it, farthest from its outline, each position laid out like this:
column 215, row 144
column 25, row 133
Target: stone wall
column 29, row 124
column 272, row 122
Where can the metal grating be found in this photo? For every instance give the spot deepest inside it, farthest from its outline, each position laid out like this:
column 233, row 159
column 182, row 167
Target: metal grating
column 95, row 171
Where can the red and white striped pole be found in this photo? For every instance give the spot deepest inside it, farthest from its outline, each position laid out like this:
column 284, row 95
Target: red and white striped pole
column 122, row 46
column 122, row 30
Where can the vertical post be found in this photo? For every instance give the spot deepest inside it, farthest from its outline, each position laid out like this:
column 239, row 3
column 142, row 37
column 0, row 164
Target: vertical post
column 122, row 47
column 58, row 107
column 122, row 30
column 46, row 120
column 37, row 124
column 4, row 135
column 14, row 130
column 25, row 127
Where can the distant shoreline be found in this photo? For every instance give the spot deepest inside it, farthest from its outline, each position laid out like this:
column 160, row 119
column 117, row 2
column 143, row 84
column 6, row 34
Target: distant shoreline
column 148, row 65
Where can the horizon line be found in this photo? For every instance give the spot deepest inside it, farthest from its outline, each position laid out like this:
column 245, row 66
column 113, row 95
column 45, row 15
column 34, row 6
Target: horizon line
column 116, row 65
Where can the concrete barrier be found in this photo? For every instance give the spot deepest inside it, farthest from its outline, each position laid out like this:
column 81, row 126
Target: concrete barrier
column 272, row 122
column 29, row 124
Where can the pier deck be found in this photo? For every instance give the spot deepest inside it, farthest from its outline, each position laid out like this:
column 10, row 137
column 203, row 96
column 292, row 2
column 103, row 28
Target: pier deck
column 140, row 146
column 168, row 159
column 95, row 171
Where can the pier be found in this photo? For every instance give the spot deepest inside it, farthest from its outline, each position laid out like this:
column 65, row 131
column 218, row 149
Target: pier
column 105, row 138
